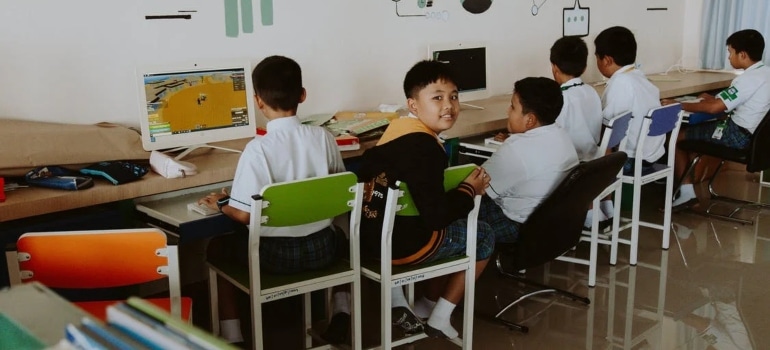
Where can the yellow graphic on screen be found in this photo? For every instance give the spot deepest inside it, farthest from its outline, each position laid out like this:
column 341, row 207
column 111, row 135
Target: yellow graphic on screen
column 195, row 101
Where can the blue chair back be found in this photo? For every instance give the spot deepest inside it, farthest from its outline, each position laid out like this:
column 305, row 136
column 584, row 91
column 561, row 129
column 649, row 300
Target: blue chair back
column 619, row 127
column 664, row 119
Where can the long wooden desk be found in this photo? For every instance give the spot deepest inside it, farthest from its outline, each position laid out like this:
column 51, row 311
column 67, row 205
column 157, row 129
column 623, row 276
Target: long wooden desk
column 216, row 166
column 493, row 117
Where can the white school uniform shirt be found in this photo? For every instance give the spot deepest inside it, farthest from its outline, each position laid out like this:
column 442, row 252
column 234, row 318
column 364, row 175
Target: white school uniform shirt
column 581, row 117
column 629, row 90
column 527, row 168
column 289, row 151
column 748, row 97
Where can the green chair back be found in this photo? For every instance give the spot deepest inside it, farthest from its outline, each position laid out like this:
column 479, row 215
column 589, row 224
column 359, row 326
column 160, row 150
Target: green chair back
column 288, row 204
column 453, row 176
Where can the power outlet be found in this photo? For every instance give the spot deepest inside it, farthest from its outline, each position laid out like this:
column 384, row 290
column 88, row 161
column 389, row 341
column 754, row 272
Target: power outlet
column 576, row 20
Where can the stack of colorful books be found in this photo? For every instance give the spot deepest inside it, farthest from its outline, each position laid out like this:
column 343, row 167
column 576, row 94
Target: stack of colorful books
column 138, row 324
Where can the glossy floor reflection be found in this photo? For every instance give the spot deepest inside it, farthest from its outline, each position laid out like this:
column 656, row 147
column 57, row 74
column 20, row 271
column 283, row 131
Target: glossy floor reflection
column 705, row 292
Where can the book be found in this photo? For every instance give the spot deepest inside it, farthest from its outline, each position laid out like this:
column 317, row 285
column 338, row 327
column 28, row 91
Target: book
column 142, row 328
column 348, row 142
column 195, row 336
column 15, row 336
column 85, row 339
column 112, row 335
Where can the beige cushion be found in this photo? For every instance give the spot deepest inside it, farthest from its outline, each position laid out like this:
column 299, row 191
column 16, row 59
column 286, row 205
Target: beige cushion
column 25, row 145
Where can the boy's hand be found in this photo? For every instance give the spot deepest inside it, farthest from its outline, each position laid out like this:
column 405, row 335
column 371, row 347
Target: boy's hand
column 211, row 199
column 501, row 136
column 479, row 180
column 667, row 101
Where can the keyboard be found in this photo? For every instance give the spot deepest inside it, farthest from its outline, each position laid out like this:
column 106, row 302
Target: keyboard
column 358, row 126
column 201, row 209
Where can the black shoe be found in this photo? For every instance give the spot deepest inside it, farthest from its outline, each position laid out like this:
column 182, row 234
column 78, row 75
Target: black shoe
column 338, row 331
column 684, row 206
column 407, row 320
column 435, row 333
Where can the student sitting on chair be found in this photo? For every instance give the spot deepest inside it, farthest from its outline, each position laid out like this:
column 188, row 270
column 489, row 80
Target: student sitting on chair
column 289, row 151
column 581, row 116
column 411, row 151
column 531, row 162
column 628, row 89
column 746, row 102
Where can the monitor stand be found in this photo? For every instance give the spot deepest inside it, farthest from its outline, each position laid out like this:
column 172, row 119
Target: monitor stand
column 188, row 149
column 467, row 106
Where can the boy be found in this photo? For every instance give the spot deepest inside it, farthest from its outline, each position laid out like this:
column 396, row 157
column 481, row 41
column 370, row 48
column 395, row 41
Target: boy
column 627, row 90
column 531, row 162
column 581, row 116
column 289, row 151
column 411, row 151
column 746, row 101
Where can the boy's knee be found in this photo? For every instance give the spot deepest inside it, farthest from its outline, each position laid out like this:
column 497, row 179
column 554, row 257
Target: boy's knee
column 485, row 242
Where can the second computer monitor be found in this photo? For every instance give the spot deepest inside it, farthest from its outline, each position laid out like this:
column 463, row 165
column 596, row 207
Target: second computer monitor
column 469, row 64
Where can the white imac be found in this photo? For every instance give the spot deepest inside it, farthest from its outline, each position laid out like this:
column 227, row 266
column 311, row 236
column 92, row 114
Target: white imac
column 469, row 64
column 187, row 106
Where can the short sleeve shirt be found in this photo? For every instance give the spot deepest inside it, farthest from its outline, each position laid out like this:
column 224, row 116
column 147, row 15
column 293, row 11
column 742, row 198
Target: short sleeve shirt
column 629, row 90
column 581, row 117
column 289, row 151
column 527, row 168
column 748, row 97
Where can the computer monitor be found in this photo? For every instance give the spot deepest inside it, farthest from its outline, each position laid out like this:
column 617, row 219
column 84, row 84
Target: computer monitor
column 187, row 106
column 469, row 64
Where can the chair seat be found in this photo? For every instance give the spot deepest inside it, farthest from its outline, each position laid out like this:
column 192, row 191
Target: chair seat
column 715, row 150
column 272, row 283
column 98, row 309
column 371, row 269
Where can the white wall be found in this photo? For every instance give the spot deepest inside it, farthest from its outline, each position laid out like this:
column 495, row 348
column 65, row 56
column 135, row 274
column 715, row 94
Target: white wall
column 74, row 61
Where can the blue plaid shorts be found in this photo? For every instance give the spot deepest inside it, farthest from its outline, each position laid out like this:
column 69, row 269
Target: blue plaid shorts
column 454, row 241
column 284, row 255
column 733, row 136
column 505, row 229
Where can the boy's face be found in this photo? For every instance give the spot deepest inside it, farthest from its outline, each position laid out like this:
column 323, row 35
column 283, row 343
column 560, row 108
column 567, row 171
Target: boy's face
column 734, row 57
column 437, row 105
column 518, row 122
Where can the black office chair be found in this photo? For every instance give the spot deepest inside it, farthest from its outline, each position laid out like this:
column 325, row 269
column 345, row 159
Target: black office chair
column 556, row 226
column 756, row 157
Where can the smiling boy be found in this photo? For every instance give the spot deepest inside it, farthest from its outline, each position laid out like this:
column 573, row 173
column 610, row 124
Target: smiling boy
column 411, row 151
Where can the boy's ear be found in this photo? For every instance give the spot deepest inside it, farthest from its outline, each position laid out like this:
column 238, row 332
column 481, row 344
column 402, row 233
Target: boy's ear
column 303, row 96
column 260, row 103
column 411, row 104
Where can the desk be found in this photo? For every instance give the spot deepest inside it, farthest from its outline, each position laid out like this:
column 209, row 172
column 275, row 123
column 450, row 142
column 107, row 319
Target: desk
column 216, row 166
column 493, row 116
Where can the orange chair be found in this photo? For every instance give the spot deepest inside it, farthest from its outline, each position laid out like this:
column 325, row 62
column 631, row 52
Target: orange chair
column 100, row 259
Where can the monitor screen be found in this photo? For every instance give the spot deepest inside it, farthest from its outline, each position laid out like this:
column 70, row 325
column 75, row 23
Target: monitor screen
column 194, row 104
column 469, row 64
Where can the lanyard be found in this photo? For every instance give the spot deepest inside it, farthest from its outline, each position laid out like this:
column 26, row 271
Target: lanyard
column 565, row 88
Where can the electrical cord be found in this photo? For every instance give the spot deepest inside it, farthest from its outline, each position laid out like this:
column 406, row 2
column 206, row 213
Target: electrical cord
column 407, row 15
column 536, row 7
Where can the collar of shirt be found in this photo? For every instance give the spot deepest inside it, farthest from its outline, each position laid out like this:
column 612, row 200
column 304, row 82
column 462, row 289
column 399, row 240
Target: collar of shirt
column 624, row 69
column 757, row 65
column 283, row 123
column 536, row 131
column 571, row 83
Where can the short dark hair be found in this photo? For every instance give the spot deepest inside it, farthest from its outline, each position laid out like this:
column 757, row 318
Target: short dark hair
column 570, row 54
column 424, row 73
column 541, row 96
column 618, row 43
column 749, row 41
column 278, row 81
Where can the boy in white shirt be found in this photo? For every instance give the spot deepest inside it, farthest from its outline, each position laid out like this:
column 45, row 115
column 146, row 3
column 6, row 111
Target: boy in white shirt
column 628, row 89
column 581, row 115
column 746, row 101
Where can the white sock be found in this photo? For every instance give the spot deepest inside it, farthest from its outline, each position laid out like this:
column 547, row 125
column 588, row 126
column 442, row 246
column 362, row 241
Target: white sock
column 608, row 209
column 397, row 298
column 590, row 217
column 686, row 193
column 341, row 303
column 439, row 318
column 231, row 330
column 423, row 307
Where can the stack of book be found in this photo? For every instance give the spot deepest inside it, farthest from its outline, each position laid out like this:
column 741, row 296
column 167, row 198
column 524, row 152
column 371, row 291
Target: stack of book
column 138, row 324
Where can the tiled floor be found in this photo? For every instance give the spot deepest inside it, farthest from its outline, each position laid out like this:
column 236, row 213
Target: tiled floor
column 707, row 291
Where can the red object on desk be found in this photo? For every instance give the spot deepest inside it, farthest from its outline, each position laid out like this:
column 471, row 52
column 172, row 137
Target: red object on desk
column 2, row 190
